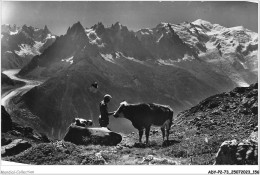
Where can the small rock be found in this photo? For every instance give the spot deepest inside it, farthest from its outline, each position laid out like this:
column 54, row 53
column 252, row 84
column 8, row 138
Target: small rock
column 67, row 151
column 213, row 104
column 6, row 121
column 254, row 108
column 255, row 86
column 198, row 133
column 119, row 147
column 244, row 153
column 216, row 112
column 15, row 133
column 5, row 141
column 15, row 147
column 139, row 145
column 239, row 90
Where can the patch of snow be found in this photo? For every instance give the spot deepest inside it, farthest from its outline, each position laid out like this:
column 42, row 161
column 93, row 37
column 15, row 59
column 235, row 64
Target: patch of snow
column 25, row 49
column 37, row 47
column 68, row 60
column 213, row 32
column 253, row 53
column 242, row 83
column 158, row 40
column 118, row 54
column 237, row 28
column 166, row 62
column 49, row 36
column 135, row 60
column 108, row 57
column 13, row 33
column 187, row 57
column 200, row 22
column 218, row 27
column 93, row 38
column 243, row 64
column 88, row 30
column 170, row 62
column 145, row 33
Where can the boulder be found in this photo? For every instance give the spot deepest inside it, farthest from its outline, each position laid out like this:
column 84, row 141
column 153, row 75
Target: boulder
column 6, row 121
column 234, row 153
column 254, row 108
column 15, row 147
column 85, row 136
column 151, row 160
column 5, row 141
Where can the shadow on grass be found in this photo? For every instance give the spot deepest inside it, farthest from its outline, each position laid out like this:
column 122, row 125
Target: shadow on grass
column 154, row 144
column 170, row 142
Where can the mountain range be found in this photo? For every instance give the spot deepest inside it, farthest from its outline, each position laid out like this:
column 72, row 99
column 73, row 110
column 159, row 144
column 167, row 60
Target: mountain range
column 173, row 64
column 20, row 44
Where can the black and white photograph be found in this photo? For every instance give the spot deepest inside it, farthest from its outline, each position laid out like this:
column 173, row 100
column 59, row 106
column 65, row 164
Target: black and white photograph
column 127, row 84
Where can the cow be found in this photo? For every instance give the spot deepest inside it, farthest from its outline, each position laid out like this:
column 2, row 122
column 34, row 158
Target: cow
column 144, row 115
column 82, row 122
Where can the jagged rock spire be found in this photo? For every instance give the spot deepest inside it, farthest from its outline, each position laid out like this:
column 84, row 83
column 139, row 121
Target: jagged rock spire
column 76, row 28
column 46, row 29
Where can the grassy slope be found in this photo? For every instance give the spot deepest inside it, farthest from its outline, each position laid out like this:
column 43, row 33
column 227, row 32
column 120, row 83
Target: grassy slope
column 195, row 137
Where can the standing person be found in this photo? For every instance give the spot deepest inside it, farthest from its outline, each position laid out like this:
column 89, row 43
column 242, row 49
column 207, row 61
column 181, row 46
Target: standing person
column 104, row 114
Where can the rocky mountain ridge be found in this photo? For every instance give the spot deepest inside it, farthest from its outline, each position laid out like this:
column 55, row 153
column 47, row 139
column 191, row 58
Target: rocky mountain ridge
column 168, row 42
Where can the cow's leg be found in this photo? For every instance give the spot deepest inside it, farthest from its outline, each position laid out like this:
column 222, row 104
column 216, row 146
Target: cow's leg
column 167, row 134
column 147, row 132
column 168, row 127
column 141, row 131
column 163, row 132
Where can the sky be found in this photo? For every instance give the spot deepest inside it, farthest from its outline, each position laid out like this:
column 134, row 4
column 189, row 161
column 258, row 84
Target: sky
column 59, row 15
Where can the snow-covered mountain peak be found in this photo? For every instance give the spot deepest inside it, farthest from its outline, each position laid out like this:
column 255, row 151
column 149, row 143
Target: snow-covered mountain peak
column 162, row 25
column 201, row 22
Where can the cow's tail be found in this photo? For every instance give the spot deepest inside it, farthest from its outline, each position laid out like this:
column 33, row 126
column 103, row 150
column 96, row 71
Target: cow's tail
column 169, row 120
column 171, row 117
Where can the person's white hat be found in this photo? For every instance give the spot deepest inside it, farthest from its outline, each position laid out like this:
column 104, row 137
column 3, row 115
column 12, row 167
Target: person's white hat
column 107, row 96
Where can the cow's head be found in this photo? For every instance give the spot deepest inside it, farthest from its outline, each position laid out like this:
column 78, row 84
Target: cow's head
column 120, row 111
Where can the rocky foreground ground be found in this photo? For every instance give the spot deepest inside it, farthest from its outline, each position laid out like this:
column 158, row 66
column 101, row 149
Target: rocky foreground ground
column 222, row 129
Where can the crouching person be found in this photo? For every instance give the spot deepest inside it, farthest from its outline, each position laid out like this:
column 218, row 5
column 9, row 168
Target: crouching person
column 82, row 122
